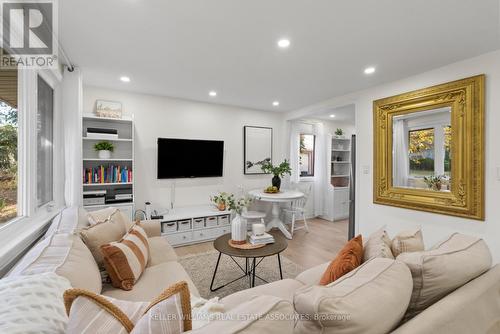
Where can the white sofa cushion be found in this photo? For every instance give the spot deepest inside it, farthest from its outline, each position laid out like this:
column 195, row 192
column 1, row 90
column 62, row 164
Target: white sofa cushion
column 161, row 251
column 152, row 282
column 33, row 304
column 472, row 308
column 446, row 267
column 312, row 276
column 370, row 299
column 65, row 255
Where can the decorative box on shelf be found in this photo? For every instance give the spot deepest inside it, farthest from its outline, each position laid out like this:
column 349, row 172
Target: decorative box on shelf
column 211, row 221
column 223, row 220
column 184, row 225
column 169, row 227
column 198, row 223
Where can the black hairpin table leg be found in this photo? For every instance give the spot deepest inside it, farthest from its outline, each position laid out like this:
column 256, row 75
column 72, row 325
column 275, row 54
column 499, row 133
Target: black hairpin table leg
column 279, row 264
column 253, row 273
column 215, row 272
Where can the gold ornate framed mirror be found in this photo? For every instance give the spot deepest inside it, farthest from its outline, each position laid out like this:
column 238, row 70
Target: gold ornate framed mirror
column 429, row 149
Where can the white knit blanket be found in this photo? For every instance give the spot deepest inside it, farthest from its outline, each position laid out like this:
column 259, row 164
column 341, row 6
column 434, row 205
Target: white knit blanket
column 33, row 304
column 203, row 311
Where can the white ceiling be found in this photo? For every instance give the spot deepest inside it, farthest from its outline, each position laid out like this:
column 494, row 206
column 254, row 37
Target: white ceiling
column 345, row 114
column 185, row 48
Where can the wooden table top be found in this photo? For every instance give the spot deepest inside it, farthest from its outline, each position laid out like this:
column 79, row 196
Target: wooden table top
column 279, row 245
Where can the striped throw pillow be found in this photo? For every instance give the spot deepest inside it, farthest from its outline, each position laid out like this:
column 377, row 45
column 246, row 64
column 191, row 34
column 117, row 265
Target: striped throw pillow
column 407, row 242
column 125, row 260
column 89, row 313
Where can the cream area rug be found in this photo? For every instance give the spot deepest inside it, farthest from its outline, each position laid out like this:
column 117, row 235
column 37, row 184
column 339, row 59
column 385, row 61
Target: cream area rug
column 200, row 268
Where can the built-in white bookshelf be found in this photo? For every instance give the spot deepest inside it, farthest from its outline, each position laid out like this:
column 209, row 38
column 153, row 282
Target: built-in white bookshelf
column 339, row 172
column 122, row 157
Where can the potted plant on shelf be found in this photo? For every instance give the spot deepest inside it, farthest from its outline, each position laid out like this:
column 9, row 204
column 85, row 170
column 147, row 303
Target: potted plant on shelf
column 238, row 225
column 104, row 149
column 222, row 200
column 434, row 182
column 339, row 133
column 278, row 171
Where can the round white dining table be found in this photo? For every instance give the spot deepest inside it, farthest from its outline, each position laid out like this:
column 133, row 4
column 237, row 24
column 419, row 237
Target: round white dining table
column 283, row 196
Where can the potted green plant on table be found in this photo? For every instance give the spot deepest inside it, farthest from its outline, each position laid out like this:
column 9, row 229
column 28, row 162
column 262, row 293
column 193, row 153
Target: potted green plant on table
column 278, row 171
column 339, row 133
column 104, row 149
column 222, row 200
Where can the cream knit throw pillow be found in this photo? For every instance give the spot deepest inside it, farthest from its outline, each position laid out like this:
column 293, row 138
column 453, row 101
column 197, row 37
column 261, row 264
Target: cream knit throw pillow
column 33, row 304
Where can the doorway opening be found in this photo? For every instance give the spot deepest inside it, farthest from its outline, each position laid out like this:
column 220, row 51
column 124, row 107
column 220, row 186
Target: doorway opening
column 326, row 159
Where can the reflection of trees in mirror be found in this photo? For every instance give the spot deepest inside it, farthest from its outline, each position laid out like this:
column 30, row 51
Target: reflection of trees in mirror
column 422, row 158
column 302, row 144
column 421, row 151
column 306, row 154
column 8, row 162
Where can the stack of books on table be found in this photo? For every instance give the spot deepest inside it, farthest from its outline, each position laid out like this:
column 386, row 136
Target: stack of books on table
column 265, row 238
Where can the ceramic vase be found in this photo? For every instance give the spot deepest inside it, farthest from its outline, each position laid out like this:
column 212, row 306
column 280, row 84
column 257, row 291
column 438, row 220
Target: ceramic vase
column 238, row 230
column 221, row 206
column 276, row 181
column 104, row 154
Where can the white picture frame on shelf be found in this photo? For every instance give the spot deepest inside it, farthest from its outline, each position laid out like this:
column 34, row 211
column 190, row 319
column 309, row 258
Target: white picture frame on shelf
column 109, row 109
column 258, row 148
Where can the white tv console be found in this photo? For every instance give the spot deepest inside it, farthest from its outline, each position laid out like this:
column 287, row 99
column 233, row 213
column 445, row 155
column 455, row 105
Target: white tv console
column 194, row 224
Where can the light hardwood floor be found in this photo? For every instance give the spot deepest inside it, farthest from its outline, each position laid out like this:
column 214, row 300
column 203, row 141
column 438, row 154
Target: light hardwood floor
column 307, row 250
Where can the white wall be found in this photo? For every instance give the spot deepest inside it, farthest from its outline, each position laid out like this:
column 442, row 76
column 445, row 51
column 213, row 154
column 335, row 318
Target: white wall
column 370, row 216
column 167, row 117
column 348, row 128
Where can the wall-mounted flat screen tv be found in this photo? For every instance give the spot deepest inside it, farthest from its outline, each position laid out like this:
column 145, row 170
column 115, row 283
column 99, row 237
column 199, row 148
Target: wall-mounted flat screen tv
column 188, row 158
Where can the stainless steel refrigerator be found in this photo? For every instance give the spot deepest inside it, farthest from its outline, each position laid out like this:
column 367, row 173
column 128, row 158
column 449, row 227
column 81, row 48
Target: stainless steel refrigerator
column 352, row 190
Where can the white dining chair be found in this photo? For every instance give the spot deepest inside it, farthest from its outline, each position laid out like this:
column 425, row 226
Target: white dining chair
column 297, row 208
column 251, row 215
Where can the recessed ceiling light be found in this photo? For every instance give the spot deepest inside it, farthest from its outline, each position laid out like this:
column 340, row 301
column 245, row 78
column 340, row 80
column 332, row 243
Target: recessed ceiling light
column 212, row 93
column 284, row 43
column 125, row 79
column 276, row 103
column 370, row 70
column 332, row 116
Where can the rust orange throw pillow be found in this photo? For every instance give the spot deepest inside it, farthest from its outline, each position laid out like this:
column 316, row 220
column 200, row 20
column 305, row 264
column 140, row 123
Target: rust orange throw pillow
column 346, row 260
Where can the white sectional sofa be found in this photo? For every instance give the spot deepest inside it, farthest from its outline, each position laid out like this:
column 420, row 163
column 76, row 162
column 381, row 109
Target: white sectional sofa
column 373, row 298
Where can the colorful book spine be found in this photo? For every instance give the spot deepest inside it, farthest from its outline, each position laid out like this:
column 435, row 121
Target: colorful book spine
column 107, row 174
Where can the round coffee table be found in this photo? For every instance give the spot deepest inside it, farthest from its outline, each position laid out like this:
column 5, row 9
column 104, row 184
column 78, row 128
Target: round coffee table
column 221, row 244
